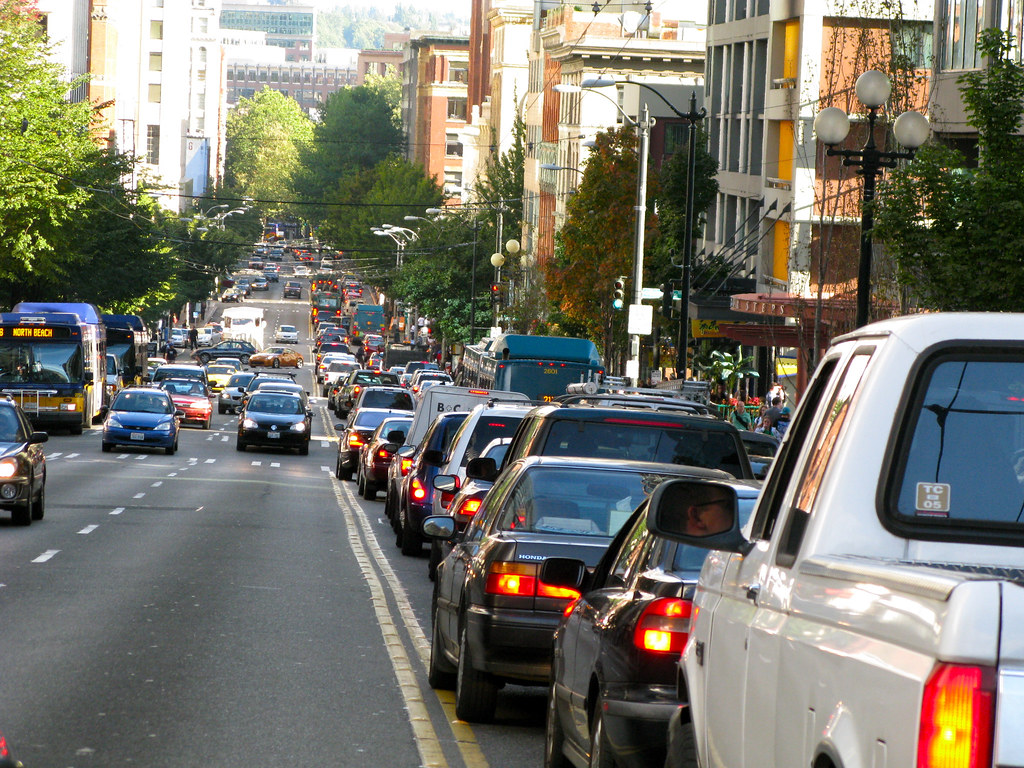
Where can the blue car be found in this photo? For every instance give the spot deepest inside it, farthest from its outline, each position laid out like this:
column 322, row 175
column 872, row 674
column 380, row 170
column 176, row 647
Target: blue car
column 142, row 416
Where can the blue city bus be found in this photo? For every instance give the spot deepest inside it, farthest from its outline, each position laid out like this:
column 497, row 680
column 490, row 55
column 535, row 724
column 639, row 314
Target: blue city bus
column 541, row 367
column 53, row 364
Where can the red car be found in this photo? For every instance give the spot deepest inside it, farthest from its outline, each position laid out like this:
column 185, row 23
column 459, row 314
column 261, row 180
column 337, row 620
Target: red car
column 375, row 458
column 191, row 397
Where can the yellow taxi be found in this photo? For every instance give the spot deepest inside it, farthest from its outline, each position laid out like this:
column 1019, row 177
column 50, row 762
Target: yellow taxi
column 218, row 376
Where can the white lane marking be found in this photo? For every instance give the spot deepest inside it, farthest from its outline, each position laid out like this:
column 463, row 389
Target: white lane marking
column 325, row 469
column 55, row 455
column 257, row 463
column 71, row 455
column 157, row 484
column 172, row 474
column 117, row 510
column 46, row 555
column 224, row 439
column 88, row 529
column 210, row 438
column 140, row 458
column 138, row 496
column 193, row 459
column 209, row 461
column 275, row 463
column 325, row 443
column 122, row 455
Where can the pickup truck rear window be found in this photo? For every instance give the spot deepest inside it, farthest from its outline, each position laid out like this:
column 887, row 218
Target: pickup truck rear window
column 963, row 467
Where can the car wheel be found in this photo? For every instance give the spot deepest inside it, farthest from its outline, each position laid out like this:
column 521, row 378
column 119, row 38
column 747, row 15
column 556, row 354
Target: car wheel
column 40, row 508
column 169, row 450
column 298, row 363
column 244, row 359
column 203, row 358
column 276, row 363
column 554, row 736
column 434, row 561
column 304, row 449
column 476, row 694
column 359, row 479
column 337, row 469
column 412, row 542
column 239, row 445
column 107, row 447
column 221, row 410
column 206, row 424
column 600, row 749
column 76, row 429
column 369, row 489
column 23, row 514
column 344, row 473
column 681, row 743
column 440, row 671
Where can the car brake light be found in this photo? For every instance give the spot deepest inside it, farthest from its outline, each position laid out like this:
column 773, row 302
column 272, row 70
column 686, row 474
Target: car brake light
column 405, row 466
column 383, row 453
column 520, row 580
column 957, row 718
column 663, row 626
column 417, row 489
column 446, row 499
column 355, row 439
column 468, row 508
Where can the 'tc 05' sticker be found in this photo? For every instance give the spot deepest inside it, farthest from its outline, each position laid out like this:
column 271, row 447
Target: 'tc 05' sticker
column 932, row 500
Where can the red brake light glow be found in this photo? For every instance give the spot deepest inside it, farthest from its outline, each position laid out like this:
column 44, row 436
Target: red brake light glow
column 417, row 490
column 355, row 439
column 663, row 626
column 468, row 508
column 957, row 718
column 382, row 453
column 520, row 580
column 405, row 466
column 479, row 392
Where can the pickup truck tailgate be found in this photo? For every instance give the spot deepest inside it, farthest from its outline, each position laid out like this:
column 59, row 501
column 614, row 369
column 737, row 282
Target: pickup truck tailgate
column 1009, row 736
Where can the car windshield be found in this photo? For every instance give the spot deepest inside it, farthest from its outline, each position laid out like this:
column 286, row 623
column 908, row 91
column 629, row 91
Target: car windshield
column 142, row 402
column 287, row 329
column 575, row 501
column 240, row 380
column 218, row 370
column 369, row 419
column 270, row 403
column 183, row 387
column 378, row 398
column 365, row 377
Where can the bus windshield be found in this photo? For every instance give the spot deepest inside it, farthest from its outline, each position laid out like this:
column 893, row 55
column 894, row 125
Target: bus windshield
column 539, row 381
column 41, row 362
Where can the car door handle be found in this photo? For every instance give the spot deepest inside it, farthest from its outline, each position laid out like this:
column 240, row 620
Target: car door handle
column 752, row 591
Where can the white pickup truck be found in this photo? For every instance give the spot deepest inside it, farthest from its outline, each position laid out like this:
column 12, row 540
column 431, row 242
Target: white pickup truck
column 871, row 612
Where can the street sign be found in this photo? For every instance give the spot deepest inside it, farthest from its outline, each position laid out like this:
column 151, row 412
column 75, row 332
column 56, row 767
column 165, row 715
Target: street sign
column 641, row 319
column 650, row 293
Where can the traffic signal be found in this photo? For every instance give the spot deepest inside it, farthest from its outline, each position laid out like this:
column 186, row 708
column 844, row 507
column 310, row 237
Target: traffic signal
column 666, row 300
column 495, row 294
column 619, row 292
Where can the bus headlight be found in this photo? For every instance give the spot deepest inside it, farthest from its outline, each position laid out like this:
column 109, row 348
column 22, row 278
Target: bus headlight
column 8, row 468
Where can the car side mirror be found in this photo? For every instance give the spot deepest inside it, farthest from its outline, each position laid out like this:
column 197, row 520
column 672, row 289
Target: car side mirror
column 38, row 437
column 700, row 513
column 482, row 468
column 406, row 450
column 440, row 527
column 565, row 572
column 179, row 412
column 446, row 483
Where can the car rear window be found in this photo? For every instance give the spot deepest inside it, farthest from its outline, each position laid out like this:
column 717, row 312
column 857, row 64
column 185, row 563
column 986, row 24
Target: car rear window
column 397, row 401
column 639, row 440
column 488, row 429
column 240, row 380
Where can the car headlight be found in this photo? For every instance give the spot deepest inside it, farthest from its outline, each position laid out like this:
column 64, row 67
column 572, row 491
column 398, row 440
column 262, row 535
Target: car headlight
column 248, row 423
column 112, row 421
column 299, row 426
column 8, row 468
column 164, row 425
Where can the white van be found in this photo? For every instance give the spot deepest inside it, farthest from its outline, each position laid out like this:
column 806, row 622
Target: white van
column 437, row 400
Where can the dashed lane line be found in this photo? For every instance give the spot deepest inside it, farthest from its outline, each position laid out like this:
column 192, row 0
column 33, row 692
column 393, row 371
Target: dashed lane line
column 88, row 529
column 46, row 555
column 117, row 510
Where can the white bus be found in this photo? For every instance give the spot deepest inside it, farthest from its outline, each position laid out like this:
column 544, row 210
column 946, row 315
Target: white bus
column 245, row 323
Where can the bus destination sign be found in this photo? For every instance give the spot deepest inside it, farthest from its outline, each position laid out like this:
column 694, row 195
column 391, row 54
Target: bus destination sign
column 33, row 332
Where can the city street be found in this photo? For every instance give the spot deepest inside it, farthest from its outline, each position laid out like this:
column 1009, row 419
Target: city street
column 226, row 609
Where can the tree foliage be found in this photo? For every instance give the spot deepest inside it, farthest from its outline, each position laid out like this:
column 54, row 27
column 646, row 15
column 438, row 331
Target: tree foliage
column 264, row 137
column 957, row 234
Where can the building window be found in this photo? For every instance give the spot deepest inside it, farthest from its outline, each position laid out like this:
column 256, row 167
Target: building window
column 154, row 93
column 962, row 23
column 912, row 42
column 286, row 77
column 153, row 144
column 456, row 107
column 202, row 55
column 201, row 25
column 452, row 146
column 284, row 92
column 458, row 72
column 156, row 30
column 273, row 77
column 156, row 62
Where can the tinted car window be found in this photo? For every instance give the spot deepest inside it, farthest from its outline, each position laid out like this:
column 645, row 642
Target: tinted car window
column 142, row 402
column 631, row 439
column 365, row 378
column 490, row 428
column 240, row 380
column 398, row 401
column 275, row 404
column 583, row 502
column 369, row 419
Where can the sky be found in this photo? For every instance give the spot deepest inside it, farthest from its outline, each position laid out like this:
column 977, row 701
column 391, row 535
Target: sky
column 461, row 7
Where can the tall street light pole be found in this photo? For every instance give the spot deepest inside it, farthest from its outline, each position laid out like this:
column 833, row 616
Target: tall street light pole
column 682, row 354
column 832, row 125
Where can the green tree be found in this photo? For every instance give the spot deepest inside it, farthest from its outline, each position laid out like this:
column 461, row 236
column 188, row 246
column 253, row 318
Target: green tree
column 729, row 368
column 957, row 234
column 264, row 136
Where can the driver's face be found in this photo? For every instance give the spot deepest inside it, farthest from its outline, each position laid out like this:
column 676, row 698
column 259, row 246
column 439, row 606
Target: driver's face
column 709, row 517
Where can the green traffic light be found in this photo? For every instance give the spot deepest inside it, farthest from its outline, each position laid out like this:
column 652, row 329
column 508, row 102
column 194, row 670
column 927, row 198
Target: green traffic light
column 617, row 304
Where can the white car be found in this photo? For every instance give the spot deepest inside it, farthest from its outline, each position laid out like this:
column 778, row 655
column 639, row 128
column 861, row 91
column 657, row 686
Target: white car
column 208, row 336
column 300, row 270
column 287, row 334
column 332, row 357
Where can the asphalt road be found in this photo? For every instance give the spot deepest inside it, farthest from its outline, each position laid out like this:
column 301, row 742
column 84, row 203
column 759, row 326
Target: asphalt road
column 220, row 608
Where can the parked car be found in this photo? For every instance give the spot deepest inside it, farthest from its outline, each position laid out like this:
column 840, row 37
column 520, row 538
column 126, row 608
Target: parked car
column 613, row 678
column 141, row 416
column 179, row 337
column 208, row 336
column 276, row 357
column 286, row 334
column 22, row 466
column 494, row 619
column 192, row 398
column 376, row 456
column 354, row 434
column 274, row 419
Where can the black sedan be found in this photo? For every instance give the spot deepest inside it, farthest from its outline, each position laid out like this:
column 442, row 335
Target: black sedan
column 275, row 419
column 493, row 617
column 613, row 677
column 233, row 348
column 354, row 434
column 22, row 465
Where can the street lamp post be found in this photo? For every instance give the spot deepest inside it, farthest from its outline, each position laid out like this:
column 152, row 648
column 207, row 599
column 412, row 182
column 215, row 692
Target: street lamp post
column 832, row 125
column 682, row 355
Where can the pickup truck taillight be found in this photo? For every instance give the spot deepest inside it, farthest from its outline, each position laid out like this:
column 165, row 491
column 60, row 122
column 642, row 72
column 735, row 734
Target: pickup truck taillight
column 664, row 625
column 957, row 718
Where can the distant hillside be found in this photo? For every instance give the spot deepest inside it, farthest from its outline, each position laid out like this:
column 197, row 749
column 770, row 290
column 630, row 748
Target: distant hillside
column 345, row 26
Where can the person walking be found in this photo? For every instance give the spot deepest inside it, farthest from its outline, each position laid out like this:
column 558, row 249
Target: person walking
column 739, row 417
column 193, row 338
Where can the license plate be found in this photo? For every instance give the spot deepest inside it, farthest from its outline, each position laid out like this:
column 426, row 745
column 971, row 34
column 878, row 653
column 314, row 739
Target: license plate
column 138, row 436
column 273, row 435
